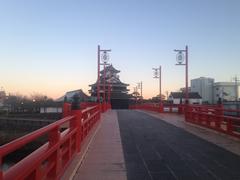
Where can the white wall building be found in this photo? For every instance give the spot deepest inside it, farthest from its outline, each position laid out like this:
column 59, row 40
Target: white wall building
column 204, row 86
column 179, row 98
column 227, row 91
column 51, row 110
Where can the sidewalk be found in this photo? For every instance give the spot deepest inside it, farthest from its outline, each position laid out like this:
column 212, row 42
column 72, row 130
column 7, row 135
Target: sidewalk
column 104, row 159
column 222, row 140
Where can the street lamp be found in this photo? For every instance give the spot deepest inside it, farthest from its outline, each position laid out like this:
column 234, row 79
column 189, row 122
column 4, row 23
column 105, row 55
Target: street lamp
column 104, row 57
column 180, row 61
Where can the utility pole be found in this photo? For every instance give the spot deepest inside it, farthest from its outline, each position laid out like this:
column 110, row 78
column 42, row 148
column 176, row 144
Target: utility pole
column 98, row 78
column 139, row 86
column 135, row 92
column 167, row 94
column 157, row 73
column 236, row 80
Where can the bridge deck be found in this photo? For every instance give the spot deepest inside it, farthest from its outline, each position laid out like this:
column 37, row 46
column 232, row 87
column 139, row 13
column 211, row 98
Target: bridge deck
column 154, row 149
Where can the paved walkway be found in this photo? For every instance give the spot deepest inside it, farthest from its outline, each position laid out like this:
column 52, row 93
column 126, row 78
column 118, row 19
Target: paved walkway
column 104, row 159
column 155, row 150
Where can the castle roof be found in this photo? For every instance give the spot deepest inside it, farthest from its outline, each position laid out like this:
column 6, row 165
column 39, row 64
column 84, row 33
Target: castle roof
column 111, row 69
column 69, row 95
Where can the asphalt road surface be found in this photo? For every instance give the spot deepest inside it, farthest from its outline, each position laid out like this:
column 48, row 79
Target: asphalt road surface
column 154, row 149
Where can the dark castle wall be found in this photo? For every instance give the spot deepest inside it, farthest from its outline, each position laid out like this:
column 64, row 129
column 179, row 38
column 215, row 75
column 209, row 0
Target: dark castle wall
column 120, row 103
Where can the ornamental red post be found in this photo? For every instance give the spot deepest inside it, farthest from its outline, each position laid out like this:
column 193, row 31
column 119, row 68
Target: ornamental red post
column 104, row 87
column 109, row 96
column 54, row 138
column 66, row 109
column 78, row 124
column 98, row 78
column 186, row 95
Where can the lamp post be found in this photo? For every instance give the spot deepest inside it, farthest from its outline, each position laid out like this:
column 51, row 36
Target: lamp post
column 157, row 73
column 180, row 61
column 104, row 57
column 109, row 93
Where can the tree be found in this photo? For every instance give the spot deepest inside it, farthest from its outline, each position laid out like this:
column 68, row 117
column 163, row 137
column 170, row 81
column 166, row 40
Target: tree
column 20, row 103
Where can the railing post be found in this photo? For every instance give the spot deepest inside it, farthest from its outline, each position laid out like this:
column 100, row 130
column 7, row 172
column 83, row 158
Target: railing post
column 66, row 109
column 99, row 111
column 180, row 109
column 186, row 111
column 53, row 138
column 78, row 120
column 219, row 116
column 103, row 107
column 161, row 107
column 78, row 124
column 1, row 168
column 229, row 127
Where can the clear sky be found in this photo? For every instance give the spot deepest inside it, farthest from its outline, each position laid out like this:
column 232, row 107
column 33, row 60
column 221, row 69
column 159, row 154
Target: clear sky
column 49, row 46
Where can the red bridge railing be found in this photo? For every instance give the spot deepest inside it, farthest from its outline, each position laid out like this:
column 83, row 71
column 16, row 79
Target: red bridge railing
column 51, row 159
column 158, row 108
column 214, row 117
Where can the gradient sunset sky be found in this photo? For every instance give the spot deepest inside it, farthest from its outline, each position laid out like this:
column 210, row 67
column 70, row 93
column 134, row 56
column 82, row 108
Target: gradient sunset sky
column 49, row 46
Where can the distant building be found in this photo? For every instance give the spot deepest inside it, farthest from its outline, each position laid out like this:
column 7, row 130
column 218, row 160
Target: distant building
column 179, row 98
column 227, row 91
column 2, row 97
column 204, row 86
column 69, row 96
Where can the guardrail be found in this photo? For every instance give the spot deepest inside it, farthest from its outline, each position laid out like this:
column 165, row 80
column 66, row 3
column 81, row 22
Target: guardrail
column 51, row 159
column 172, row 108
column 214, row 118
